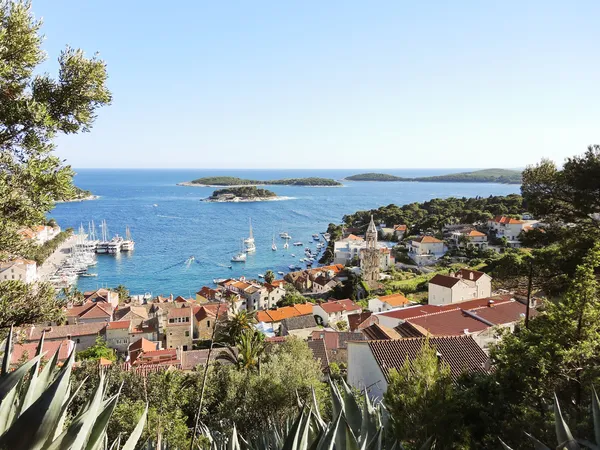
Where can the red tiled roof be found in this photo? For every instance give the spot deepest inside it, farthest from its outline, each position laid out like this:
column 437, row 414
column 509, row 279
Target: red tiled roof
column 333, row 306
column 448, row 323
column 97, row 311
column 121, row 325
column 335, row 340
column 143, row 344
column 50, row 347
column 461, row 353
column 466, row 274
column 399, row 227
column 354, row 320
column 179, row 312
column 427, row 240
column 420, row 310
column 304, row 308
column 85, row 329
column 475, row 233
column 394, row 299
column 319, row 353
column 506, row 220
column 353, row 237
column 444, row 280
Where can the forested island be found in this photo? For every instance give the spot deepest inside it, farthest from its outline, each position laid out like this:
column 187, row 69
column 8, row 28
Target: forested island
column 235, row 181
column 505, row 176
column 242, row 194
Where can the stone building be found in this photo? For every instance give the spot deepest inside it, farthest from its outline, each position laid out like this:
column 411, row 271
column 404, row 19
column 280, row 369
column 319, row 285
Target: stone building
column 370, row 255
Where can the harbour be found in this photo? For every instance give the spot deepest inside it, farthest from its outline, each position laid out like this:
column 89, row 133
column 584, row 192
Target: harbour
column 170, row 224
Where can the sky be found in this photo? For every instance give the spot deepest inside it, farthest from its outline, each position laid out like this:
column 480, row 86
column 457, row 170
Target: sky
column 334, row 84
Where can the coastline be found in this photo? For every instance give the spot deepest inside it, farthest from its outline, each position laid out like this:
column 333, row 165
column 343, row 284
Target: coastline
column 223, row 186
column 429, row 181
column 246, row 200
column 82, row 199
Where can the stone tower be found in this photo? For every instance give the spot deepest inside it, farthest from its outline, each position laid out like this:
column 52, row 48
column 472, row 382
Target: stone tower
column 370, row 256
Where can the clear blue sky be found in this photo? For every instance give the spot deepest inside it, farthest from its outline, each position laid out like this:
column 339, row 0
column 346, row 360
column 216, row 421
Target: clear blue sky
column 349, row 84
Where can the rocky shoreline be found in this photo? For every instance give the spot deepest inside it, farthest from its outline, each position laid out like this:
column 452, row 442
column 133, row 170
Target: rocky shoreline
column 244, row 199
column 82, row 199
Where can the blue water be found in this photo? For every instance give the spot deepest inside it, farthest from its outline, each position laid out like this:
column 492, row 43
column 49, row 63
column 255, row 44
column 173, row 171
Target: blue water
column 182, row 226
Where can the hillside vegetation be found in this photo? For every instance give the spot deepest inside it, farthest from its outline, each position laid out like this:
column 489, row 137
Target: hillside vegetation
column 235, row 181
column 506, row 176
column 244, row 192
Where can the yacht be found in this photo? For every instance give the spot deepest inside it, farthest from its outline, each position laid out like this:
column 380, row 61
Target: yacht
column 286, row 245
column 128, row 244
column 298, row 244
column 316, row 237
column 292, row 266
column 249, row 246
column 281, row 273
column 114, row 245
column 273, row 246
column 240, row 257
column 284, row 235
column 260, row 275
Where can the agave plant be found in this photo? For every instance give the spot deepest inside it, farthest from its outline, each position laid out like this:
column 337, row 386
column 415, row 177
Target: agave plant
column 353, row 428
column 34, row 403
column 565, row 438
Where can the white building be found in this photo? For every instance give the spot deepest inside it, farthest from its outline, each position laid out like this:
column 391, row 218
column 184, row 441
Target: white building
column 18, row 269
column 399, row 231
column 387, row 302
column 463, row 285
column 426, row 249
column 335, row 311
column 345, row 250
column 509, row 228
column 469, row 238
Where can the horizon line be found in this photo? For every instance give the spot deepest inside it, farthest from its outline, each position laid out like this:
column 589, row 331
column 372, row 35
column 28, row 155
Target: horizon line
column 298, row 168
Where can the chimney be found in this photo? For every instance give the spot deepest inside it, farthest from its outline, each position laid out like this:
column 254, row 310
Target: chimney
column 470, row 275
column 466, row 331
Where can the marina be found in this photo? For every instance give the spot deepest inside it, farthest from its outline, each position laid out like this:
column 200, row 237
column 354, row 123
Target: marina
column 180, row 225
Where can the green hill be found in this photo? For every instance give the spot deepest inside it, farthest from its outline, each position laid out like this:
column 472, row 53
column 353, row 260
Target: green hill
column 234, row 181
column 506, row 176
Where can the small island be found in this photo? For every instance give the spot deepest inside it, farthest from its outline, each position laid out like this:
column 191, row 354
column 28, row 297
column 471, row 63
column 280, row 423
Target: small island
column 504, row 176
column 242, row 194
column 236, row 182
column 80, row 195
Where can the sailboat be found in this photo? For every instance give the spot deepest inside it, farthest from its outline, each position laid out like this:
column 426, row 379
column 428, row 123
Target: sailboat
column 240, row 257
column 249, row 241
column 273, row 246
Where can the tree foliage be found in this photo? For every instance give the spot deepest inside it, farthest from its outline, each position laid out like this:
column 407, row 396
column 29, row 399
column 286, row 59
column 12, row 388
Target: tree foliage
column 34, row 108
column 97, row 351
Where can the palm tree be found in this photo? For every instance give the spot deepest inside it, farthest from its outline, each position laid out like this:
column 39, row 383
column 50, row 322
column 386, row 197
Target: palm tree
column 269, row 276
column 235, row 326
column 250, row 345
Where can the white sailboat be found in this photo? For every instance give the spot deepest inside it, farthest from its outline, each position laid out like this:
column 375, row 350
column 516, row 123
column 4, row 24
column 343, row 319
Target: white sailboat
column 249, row 246
column 273, row 246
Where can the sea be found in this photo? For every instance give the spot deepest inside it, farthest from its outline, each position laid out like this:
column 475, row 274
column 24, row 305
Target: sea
column 182, row 243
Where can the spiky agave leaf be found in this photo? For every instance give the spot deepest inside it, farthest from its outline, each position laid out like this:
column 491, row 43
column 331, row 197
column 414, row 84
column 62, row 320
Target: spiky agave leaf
column 352, row 411
column 98, row 433
column 7, row 352
column 563, row 433
column 76, row 435
column 537, row 445
column 327, row 441
column 36, row 426
column 137, row 432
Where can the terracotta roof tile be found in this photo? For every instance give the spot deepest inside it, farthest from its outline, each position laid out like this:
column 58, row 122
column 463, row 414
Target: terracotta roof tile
column 444, row 280
column 394, row 300
column 121, row 325
column 354, row 320
column 378, row 331
column 319, row 353
column 461, row 353
column 428, row 240
column 50, row 347
column 333, row 306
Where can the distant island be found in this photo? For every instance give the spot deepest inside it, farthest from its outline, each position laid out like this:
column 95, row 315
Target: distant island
column 79, row 196
column 505, row 176
column 242, row 194
column 234, row 181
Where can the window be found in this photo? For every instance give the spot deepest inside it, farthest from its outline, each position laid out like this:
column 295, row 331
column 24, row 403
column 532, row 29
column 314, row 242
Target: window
column 184, row 348
column 78, row 341
column 187, row 334
column 208, row 324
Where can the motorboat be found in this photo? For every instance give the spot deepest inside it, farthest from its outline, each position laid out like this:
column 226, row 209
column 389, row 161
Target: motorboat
column 316, row 237
column 284, row 235
column 298, row 244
